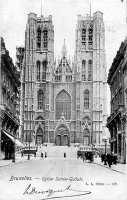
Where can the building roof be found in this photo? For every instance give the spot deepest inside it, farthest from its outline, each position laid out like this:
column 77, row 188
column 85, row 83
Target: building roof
column 8, row 63
column 118, row 58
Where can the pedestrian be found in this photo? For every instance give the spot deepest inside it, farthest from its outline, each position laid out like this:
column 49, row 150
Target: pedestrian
column 45, row 154
column 109, row 160
column 64, row 155
column 35, row 154
column 42, row 155
column 105, row 159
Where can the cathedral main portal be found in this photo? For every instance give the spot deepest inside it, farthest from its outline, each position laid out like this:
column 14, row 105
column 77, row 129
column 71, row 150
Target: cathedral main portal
column 62, row 137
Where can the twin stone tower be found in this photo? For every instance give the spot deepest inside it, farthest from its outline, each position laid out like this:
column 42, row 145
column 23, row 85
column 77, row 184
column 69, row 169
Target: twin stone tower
column 64, row 103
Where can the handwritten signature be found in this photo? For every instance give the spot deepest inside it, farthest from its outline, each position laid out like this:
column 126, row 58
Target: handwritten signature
column 30, row 190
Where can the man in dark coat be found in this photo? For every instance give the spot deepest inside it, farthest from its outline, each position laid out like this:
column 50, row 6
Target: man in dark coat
column 109, row 160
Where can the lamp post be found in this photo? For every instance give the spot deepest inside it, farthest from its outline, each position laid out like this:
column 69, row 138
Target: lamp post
column 105, row 141
column 29, row 149
column 13, row 159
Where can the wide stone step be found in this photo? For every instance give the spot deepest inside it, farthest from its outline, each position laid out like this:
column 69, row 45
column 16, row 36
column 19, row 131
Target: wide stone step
column 58, row 151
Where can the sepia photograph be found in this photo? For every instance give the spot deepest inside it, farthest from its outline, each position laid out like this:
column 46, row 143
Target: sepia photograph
column 63, row 99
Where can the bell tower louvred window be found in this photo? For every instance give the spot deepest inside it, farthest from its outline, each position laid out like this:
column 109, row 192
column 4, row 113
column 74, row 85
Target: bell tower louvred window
column 44, row 68
column 83, row 37
column 90, row 68
column 38, row 70
column 90, row 38
column 45, row 39
column 38, row 39
column 83, row 70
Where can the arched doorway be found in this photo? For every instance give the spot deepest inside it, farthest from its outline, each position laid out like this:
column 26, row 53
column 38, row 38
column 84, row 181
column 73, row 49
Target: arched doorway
column 62, row 136
column 86, row 136
column 58, row 140
column 65, row 140
column 39, row 137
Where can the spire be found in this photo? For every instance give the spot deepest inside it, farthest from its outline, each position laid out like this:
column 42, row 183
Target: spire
column 41, row 8
column 90, row 10
column 64, row 50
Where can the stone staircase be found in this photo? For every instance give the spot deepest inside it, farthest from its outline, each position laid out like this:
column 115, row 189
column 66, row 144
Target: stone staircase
column 58, row 151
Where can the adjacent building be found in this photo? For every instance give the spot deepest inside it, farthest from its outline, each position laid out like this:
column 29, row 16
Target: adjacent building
column 116, row 122
column 64, row 102
column 20, row 50
column 9, row 100
column 19, row 58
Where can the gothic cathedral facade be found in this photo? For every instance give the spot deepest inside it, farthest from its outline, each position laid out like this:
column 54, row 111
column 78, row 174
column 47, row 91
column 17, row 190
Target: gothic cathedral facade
column 64, row 103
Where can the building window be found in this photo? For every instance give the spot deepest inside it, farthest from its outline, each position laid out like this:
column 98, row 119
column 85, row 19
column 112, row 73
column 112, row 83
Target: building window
column 90, row 70
column 86, row 99
column 44, row 67
column 84, row 37
column 40, row 100
column 38, row 70
column 90, row 38
column 58, row 78
column 45, row 39
column 68, row 78
column 47, row 106
column 83, row 70
column 38, row 39
column 63, row 105
column 86, row 119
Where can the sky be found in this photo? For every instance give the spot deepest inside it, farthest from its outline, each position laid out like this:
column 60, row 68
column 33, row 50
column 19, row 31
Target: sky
column 13, row 15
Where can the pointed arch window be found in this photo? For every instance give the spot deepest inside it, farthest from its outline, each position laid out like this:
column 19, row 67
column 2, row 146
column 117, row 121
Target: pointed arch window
column 90, row 69
column 83, row 70
column 40, row 100
column 39, row 39
column 86, row 119
column 83, row 37
column 38, row 70
column 86, row 99
column 44, row 68
column 63, row 105
column 58, row 74
column 68, row 73
column 45, row 39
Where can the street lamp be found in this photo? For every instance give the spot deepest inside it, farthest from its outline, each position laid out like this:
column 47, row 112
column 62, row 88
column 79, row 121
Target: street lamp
column 105, row 141
column 29, row 149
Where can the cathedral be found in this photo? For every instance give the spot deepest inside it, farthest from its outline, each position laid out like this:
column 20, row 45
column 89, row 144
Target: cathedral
column 64, row 102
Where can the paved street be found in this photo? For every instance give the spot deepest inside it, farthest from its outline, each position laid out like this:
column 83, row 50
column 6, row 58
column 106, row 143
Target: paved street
column 42, row 178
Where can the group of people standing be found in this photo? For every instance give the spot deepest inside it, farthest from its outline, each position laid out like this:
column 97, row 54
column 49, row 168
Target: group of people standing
column 44, row 155
column 109, row 158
